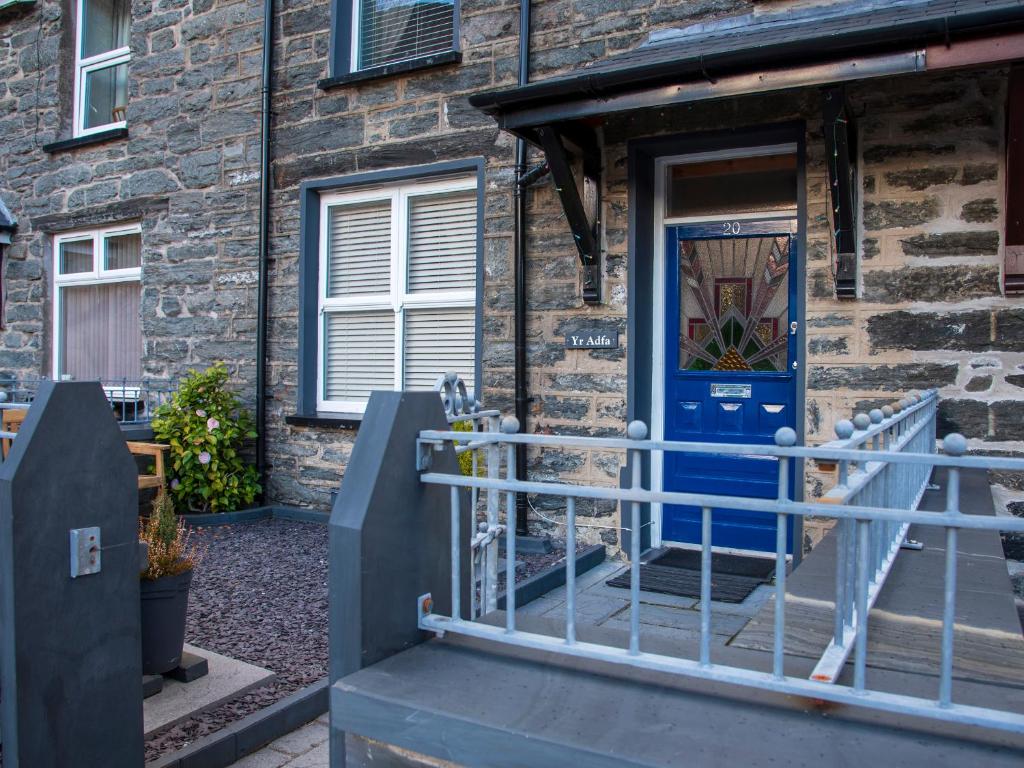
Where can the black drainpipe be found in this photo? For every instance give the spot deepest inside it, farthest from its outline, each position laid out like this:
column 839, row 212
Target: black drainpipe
column 519, row 248
column 264, row 248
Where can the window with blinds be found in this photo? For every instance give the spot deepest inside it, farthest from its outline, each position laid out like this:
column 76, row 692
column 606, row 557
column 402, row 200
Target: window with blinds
column 97, row 304
column 391, row 31
column 398, row 279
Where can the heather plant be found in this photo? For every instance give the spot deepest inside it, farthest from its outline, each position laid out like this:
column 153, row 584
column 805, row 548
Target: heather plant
column 171, row 549
column 205, row 425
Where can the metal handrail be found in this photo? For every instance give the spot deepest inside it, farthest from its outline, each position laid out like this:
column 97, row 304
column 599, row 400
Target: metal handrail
column 877, row 500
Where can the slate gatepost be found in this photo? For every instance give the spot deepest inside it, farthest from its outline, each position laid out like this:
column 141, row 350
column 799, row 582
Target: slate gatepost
column 70, row 656
column 390, row 540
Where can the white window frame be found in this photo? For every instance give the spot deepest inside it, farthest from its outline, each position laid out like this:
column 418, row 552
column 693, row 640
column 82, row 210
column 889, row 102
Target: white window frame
column 397, row 299
column 98, row 275
column 84, row 66
column 357, row 21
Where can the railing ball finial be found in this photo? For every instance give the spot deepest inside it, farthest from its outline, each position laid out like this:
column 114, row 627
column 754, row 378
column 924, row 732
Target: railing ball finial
column 906, row 403
column 844, row 429
column 876, row 415
column 897, row 406
column 954, row 444
column 861, row 421
column 3, row 397
column 785, row 437
column 510, row 425
column 636, row 430
column 887, row 411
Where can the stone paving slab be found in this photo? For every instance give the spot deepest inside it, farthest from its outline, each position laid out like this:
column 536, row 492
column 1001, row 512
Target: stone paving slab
column 228, row 679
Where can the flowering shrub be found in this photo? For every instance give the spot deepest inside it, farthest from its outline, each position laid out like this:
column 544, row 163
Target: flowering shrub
column 171, row 550
column 206, row 426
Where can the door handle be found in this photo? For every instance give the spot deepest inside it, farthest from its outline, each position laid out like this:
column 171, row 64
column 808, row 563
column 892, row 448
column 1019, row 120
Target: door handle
column 792, row 328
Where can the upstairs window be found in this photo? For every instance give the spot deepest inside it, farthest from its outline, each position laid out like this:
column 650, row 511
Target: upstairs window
column 397, row 290
column 375, row 38
column 392, row 31
column 101, row 65
column 96, row 321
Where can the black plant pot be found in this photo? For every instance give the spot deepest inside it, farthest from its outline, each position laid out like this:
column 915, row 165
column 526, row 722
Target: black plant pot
column 164, row 606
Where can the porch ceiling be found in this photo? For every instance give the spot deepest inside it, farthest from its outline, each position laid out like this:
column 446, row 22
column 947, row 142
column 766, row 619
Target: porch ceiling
column 768, row 51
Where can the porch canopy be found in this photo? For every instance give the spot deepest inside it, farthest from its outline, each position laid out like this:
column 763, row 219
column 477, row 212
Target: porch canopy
column 755, row 53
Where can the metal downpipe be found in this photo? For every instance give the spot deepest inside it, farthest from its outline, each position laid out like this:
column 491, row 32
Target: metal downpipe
column 264, row 247
column 519, row 268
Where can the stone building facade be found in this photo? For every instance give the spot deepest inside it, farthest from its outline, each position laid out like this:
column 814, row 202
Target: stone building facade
column 932, row 149
column 186, row 173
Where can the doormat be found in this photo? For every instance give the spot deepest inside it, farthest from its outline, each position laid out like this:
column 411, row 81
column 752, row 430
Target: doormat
column 734, row 565
column 677, row 572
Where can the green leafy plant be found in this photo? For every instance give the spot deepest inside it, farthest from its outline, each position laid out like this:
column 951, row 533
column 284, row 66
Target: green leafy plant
column 205, row 425
column 171, row 549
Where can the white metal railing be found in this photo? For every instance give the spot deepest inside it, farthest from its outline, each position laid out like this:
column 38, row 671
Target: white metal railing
column 461, row 408
column 884, row 466
column 874, row 484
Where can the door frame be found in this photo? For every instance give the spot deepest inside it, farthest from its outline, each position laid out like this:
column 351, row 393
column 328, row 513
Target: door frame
column 648, row 160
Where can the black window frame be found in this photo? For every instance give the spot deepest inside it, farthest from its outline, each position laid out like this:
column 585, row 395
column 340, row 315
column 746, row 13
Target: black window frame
column 306, row 413
column 341, row 69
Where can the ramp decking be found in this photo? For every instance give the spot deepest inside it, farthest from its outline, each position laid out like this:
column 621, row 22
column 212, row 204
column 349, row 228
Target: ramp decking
column 905, row 625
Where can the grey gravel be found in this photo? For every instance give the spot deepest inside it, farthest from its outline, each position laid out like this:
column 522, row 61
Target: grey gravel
column 259, row 596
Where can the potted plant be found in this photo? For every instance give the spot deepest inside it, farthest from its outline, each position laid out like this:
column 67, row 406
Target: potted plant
column 173, row 557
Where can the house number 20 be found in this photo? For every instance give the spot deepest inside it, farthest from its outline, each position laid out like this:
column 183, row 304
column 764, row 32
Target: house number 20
column 730, row 227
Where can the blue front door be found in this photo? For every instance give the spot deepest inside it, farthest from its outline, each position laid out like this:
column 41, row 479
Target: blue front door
column 730, row 356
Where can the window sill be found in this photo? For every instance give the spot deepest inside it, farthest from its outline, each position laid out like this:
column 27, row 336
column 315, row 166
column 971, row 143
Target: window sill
column 85, row 141
column 389, row 70
column 331, row 420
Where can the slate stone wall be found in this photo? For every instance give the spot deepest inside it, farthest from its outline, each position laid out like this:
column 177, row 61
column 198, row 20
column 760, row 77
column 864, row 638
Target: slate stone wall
column 188, row 172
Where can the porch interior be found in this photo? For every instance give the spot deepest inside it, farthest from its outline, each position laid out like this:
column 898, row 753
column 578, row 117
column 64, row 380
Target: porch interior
column 470, row 701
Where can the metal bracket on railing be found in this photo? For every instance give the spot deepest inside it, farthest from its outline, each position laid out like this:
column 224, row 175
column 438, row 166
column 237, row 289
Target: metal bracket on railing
column 424, row 453
column 912, row 544
column 424, row 608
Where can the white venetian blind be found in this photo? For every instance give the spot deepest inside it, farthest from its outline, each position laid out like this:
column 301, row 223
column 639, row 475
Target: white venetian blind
column 442, row 242
column 398, row 30
column 359, row 249
column 438, row 341
column 359, row 354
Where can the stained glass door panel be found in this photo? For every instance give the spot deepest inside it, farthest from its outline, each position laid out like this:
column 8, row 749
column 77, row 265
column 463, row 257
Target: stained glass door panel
column 729, row 373
column 734, row 304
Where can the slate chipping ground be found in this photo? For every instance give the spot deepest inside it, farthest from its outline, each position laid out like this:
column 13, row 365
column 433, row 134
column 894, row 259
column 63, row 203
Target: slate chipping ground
column 259, row 596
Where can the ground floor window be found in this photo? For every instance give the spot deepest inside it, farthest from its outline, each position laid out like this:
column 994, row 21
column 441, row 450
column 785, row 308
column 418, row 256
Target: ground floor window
column 96, row 321
column 397, row 289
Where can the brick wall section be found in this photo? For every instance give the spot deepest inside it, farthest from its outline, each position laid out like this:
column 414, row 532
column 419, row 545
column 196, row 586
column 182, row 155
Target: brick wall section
column 188, row 172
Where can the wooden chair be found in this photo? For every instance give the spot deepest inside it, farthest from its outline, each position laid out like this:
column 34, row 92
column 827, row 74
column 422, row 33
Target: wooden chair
column 10, row 422
column 156, row 452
